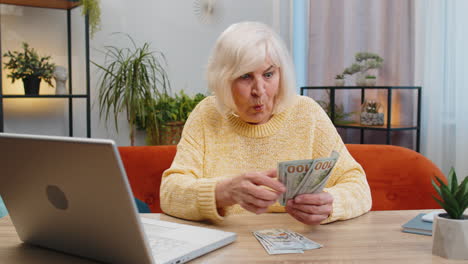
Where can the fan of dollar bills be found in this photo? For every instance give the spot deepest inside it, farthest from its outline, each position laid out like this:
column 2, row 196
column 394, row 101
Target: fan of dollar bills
column 305, row 176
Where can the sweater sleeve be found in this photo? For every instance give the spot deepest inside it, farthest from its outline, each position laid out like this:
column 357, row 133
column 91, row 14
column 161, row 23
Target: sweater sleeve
column 185, row 193
column 347, row 184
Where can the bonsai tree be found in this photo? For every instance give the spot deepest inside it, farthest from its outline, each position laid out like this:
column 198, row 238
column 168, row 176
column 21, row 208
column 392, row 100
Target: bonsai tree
column 453, row 197
column 371, row 77
column 28, row 66
column 364, row 62
column 131, row 79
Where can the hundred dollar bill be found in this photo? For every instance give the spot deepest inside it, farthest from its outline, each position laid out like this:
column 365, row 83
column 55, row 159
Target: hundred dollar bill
column 279, row 239
column 283, row 241
column 291, row 174
column 306, row 243
column 320, row 172
column 305, row 176
column 271, row 250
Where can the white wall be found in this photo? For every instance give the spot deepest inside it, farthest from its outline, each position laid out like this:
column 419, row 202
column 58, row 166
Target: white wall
column 169, row 26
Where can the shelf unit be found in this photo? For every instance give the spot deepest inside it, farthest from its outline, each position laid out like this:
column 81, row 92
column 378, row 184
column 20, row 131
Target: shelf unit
column 67, row 6
column 388, row 127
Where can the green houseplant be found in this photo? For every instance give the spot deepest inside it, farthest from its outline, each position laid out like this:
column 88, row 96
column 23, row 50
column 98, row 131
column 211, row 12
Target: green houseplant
column 450, row 231
column 28, row 66
column 170, row 114
column 131, row 80
column 341, row 117
column 93, row 10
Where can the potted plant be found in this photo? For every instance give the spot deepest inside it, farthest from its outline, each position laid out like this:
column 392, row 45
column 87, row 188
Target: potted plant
column 364, row 61
column 370, row 115
column 29, row 67
column 131, row 80
column 450, row 230
column 371, row 80
column 91, row 9
column 165, row 120
column 339, row 80
column 341, row 117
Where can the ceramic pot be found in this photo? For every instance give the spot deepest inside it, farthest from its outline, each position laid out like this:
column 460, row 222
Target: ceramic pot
column 31, row 85
column 361, row 79
column 371, row 82
column 339, row 82
column 450, row 237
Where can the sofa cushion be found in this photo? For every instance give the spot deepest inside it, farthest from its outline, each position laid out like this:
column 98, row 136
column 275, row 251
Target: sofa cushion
column 144, row 166
column 399, row 178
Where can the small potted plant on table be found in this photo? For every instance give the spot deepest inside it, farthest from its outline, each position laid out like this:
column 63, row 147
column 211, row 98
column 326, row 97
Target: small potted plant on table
column 370, row 115
column 30, row 68
column 450, row 230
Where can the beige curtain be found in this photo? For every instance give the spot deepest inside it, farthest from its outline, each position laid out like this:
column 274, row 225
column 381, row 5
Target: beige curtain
column 338, row 29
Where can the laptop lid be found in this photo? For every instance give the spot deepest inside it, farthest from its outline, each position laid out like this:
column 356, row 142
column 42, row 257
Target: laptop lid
column 71, row 195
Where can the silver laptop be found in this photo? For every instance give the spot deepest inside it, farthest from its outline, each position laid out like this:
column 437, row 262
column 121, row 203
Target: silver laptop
column 72, row 195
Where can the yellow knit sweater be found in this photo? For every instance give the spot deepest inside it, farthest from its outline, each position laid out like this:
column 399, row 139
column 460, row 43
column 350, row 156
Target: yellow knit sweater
column 214, row 147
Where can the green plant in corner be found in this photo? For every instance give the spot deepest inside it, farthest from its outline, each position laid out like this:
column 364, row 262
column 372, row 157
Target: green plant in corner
column 131, row 80
column 169, row 112
column 28, row 64
column 454, row 196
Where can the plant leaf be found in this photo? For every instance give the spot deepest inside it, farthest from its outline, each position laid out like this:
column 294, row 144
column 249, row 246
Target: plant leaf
column 452, row 180
column 450, row 202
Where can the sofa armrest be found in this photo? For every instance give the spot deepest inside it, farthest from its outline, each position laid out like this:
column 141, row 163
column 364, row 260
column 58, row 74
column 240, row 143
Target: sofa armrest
column 399, row 178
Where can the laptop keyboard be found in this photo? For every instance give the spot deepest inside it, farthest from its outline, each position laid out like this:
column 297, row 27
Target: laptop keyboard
column 163, row 247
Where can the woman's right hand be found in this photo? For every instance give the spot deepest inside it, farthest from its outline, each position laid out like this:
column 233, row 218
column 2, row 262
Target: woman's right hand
column 248, row 190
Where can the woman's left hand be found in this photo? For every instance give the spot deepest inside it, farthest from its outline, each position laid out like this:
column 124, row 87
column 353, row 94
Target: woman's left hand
column 310, row 209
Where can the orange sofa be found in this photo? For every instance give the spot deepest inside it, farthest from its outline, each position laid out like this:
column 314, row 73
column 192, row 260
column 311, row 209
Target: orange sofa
column 399, row 178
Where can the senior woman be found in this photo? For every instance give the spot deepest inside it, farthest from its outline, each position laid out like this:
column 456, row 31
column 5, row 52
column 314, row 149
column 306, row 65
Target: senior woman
column 232, row 141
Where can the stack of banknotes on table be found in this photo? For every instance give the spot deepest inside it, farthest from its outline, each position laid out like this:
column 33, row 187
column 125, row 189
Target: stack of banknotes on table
column 305, row 176
column 282, row 241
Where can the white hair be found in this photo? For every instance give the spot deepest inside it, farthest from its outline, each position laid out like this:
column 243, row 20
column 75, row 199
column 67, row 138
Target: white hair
column 242, row 48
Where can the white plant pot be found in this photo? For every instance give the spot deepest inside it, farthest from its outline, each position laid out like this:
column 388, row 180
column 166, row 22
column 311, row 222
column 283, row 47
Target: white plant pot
column 450, row 237
column 339, row 82
column 371, row 82
column 361, row 79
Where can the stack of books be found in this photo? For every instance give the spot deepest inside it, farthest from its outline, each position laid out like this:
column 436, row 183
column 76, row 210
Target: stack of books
column 418, row 226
